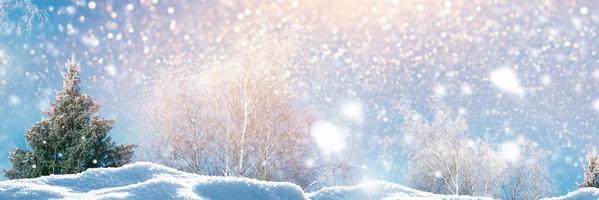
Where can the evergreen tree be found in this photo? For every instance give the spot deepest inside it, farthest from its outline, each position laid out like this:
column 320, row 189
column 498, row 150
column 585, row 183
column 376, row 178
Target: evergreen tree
column 591, row 174
column 71, row 139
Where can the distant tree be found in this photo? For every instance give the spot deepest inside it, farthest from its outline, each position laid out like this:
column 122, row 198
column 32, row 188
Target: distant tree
column 526, row 178
column 71, row 139
column 444, row 159
column 591, row 174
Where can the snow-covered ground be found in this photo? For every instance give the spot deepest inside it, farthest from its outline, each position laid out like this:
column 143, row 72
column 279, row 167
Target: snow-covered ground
column 145, row 180
column 581, row 194
column 380, row 190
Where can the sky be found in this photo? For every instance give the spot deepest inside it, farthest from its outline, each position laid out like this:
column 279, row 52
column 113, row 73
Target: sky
column 512, row 68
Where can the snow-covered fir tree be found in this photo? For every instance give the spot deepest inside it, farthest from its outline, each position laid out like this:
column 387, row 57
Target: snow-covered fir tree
column 591, row 174
column 71, row 139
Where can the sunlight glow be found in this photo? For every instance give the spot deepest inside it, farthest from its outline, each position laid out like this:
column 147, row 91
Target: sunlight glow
column 329, row 137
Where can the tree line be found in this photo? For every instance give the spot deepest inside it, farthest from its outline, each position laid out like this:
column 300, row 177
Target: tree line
column 244, row 121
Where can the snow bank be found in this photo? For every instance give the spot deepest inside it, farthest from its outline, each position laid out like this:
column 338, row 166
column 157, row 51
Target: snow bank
column 580, row 194
column 145, row 181
column 380, row 190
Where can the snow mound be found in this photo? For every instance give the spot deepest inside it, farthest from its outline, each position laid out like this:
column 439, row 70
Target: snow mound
column 580, row 194
column 144, row 180
column 380, row 190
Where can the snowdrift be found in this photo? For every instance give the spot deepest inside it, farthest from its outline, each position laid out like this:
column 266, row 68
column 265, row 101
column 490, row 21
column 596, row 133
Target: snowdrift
column 145, row 180
column 580, row 194
column 381, row 190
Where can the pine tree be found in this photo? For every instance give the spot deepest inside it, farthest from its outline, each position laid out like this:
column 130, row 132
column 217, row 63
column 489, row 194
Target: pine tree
column 71, row 139
column 591, row 174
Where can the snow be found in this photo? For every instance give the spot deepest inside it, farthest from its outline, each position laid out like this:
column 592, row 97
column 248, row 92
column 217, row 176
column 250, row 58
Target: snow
column 144, row 180
column 90, row 40
column 91, row 5
column 596, row 104
column 379, row 190
column 506, row 80
column 353, row 111
column 382, row 53
column 584, row 10
column 14, row 100
column 3, row 58
column 580, row 194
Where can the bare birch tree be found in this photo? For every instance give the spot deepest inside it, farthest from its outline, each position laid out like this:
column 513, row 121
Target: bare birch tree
column 528, row 177
column 240, row 117
column 443, row 159
column 19, row 16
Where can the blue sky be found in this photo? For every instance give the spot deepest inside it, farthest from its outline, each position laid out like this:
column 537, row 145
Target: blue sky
column 377, row 55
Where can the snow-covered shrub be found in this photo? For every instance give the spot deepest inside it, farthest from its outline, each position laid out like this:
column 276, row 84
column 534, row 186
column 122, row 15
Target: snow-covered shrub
column 591, row 174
